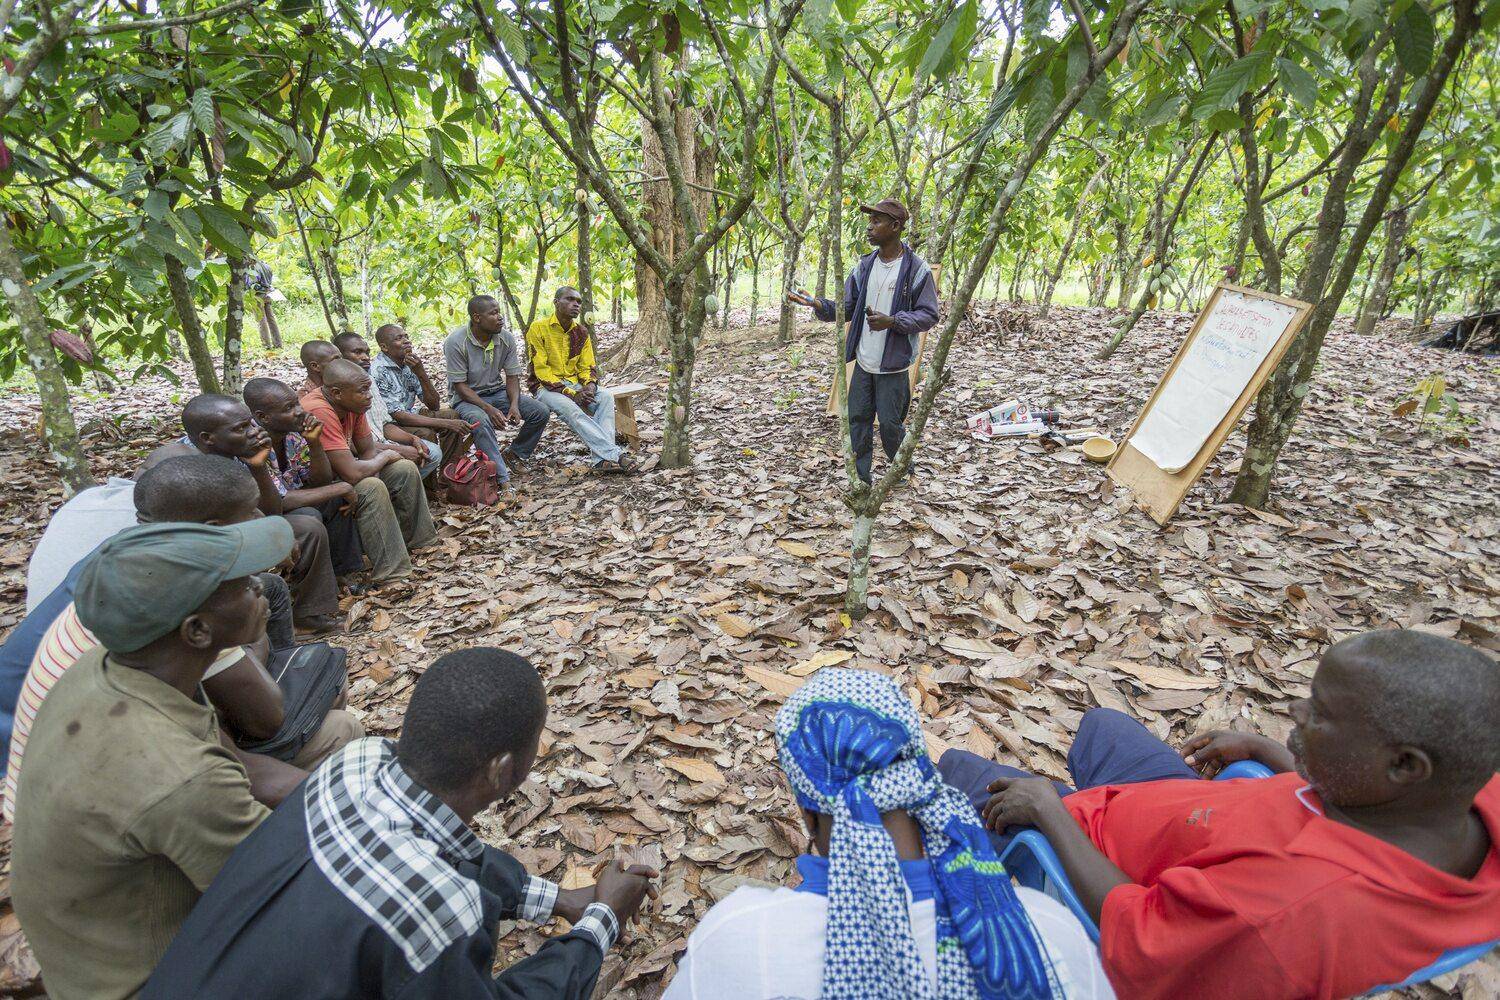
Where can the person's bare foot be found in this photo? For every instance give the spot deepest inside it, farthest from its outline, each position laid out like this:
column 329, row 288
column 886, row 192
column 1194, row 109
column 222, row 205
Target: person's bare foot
column 628, row 462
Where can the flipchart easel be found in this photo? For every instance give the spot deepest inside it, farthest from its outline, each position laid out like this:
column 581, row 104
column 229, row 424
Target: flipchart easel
column 914, row 372
column 1159, row 493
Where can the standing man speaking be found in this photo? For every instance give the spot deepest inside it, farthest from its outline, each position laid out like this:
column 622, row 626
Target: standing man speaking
column 889, row 299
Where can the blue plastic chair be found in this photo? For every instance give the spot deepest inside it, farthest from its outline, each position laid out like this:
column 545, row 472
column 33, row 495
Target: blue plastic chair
column 1031, row 861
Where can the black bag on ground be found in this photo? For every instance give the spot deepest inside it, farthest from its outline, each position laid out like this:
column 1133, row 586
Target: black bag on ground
column 310, row 677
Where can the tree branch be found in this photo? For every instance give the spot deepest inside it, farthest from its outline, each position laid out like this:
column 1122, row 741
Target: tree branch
column 157, row 24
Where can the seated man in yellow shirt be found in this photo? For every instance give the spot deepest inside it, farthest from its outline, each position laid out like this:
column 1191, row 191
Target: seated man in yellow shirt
column 562, row 365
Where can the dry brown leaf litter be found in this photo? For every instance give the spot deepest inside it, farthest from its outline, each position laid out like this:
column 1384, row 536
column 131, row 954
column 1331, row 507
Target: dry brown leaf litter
column 672, row 612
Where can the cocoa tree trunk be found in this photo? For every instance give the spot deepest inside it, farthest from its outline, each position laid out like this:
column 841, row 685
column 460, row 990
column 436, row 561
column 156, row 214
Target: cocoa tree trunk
column 729, row 273
column 59, row 432
column 1022, row 258
column 822, row 290
column 1324, row 280
column 1101, row 279
column 234, row 324
column 754, row 289
column 786, row 320
column 312, row 268
column 652, row 324
column 336, row 298
column 192, row 327
column 1380, row 292
column 1067, row 247
column 1164, row 228
column 583, row 247
column 1241, row 247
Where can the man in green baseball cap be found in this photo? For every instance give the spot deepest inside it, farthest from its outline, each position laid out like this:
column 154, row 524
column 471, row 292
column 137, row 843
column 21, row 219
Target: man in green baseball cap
column 130, row 803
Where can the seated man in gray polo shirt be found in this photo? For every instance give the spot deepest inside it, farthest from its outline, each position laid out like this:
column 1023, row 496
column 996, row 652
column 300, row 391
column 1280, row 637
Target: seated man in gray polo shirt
column 485, row 368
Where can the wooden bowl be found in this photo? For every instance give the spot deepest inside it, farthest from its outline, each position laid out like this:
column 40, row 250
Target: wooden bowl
column 1099, row 449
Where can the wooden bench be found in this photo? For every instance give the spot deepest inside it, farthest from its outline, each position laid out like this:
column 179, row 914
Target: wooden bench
column 626, row 429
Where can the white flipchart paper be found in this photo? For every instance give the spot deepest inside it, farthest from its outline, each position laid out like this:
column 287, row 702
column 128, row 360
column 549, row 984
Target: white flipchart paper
column 1231, row 344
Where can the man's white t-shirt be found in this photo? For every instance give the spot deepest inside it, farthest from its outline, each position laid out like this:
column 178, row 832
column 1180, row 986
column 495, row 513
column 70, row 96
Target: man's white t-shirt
column 78, row 528
column 879, row 294
column 760, row 944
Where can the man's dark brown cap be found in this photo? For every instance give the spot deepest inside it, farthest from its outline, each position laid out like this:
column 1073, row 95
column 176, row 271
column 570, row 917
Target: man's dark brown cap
column 888, row 206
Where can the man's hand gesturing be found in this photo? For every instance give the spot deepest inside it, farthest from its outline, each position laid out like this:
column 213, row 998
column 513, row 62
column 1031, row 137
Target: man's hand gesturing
column 623, row 889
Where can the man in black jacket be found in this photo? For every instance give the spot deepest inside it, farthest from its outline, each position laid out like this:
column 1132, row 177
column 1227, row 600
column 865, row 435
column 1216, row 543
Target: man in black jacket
column 370, row 883
column 889, row 299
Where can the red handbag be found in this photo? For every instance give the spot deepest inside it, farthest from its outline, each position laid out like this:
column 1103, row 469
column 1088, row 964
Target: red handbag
column 472, row 481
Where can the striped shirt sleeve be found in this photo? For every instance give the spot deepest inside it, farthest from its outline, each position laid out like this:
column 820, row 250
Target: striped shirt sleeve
column 61, row 646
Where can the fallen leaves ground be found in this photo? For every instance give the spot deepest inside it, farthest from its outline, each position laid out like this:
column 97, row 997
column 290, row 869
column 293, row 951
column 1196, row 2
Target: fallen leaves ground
column 672, row 612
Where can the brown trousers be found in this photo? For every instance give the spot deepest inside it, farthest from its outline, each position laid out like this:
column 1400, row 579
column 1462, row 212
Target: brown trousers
column 453, row 444
column 315, row 590
column 393, row 518
column 338, row 728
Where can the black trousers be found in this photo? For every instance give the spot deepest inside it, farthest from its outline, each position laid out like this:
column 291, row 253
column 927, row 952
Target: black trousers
column 885, row 396
column 344, row 549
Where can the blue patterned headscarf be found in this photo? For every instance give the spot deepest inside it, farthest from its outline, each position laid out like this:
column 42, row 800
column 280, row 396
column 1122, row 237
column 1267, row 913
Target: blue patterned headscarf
column 851, row 745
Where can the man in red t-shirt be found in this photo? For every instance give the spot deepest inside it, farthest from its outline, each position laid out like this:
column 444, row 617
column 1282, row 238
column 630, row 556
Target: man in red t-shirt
column 390, row 506
column 1373, row 851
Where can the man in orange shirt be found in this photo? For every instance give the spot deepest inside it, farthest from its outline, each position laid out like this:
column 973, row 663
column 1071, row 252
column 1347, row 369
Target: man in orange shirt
column 1370, row 854
column 390, row 506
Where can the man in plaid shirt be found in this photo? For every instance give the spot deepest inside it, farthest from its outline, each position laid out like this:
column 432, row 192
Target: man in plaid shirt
column 373, row 867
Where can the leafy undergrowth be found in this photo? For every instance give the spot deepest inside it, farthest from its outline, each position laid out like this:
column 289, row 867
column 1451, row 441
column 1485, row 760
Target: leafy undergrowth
column 1016, row 587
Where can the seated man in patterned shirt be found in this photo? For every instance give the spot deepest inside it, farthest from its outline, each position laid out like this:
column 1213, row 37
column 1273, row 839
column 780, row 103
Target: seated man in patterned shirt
column 388, row 433
column 375, row 862
column 401, row 380
column 301, row 472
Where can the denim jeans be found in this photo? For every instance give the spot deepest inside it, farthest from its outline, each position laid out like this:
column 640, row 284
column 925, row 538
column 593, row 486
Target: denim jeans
column 534, row 417
column 434, row 457
column 595, row 428
column 279, row 628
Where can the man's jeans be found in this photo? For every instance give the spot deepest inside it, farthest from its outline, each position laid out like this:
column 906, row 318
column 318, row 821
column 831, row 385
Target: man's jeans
column 596, row 428
column 279, row 628
column 1111, row 748
column 434, row 457
column 534, row 417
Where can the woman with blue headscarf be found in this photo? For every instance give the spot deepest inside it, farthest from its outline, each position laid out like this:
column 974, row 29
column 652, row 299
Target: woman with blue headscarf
column 904, row 900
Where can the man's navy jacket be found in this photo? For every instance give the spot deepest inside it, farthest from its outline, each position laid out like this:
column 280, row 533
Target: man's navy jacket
column 913, row 309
